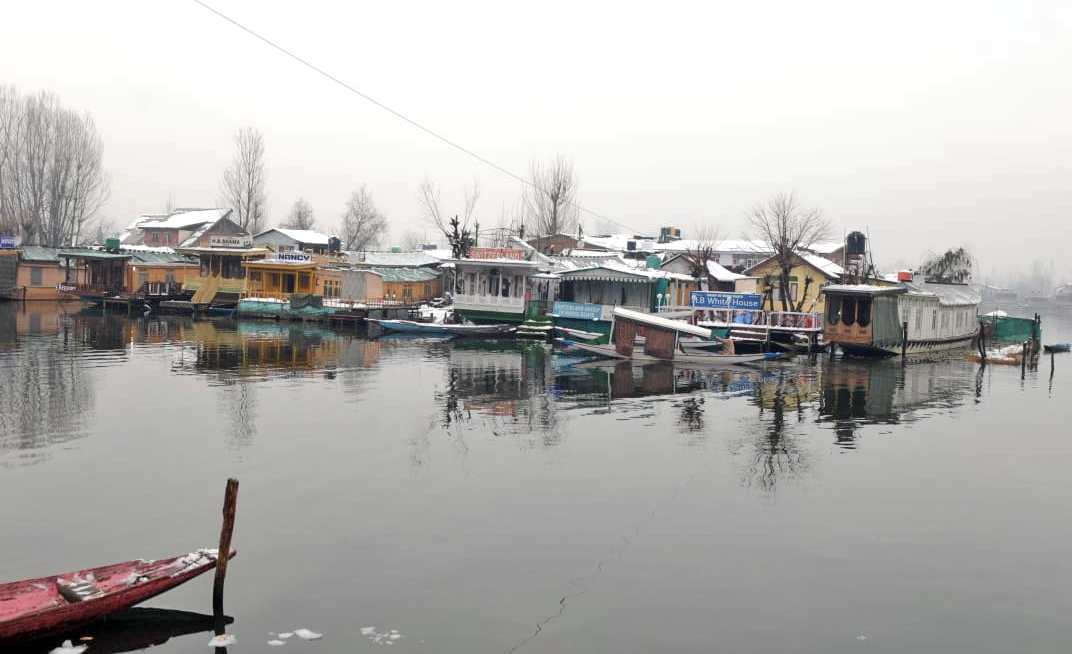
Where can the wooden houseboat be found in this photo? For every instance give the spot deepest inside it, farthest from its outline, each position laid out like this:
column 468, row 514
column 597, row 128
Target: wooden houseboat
column 31, row 273
column 221, row 277
column 494, row 285
column 906, row 318
column 95, row 275
column 279, row 275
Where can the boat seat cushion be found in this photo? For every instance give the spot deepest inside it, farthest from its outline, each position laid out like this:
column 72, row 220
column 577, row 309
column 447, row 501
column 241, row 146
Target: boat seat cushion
column 78, row 591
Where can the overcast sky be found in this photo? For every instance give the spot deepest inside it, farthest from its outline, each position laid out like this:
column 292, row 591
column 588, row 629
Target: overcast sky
column 926, row 124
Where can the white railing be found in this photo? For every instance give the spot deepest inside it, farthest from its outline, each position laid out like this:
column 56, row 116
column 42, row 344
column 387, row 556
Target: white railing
column 496, row 302
column 780, row 320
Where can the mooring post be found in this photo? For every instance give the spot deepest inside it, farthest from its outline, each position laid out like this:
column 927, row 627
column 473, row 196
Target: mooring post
column 1023, row 361
column 230, row 498
column 904, row 339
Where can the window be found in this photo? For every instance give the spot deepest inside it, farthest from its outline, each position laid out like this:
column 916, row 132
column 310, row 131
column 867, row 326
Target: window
column 863, row 311
column 167, row 238
column 35, row 276
column 934, row 319
column 156, row 236
column 848, row 311
column 945, row 320
column 833, row 309
column 919, row 320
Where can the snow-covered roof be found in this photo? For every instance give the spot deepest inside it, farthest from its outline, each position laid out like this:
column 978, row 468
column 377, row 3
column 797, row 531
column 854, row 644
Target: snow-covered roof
column 948, row 294
column 660, row 322
column 407, row 259
column 580, row 252
column 623, row 268
column 825, row 247
column 722, row 274
column 828, row 267
column 303, row 236
column 618, row 242
column 869, row 289
column 185, row 219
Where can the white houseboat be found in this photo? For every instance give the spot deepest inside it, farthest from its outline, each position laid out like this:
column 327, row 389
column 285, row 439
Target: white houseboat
column 907, row 318
column 495, row 285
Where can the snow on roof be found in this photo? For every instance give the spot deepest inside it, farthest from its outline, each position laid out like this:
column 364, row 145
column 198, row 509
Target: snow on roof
column 871, row 289
column 828, row 267
column 664, row 323
column 439, row 253
column 618, row 265
column 185, row 218
column 825, row 247
column 948, row 294
column 721, row 274
column 408, row 259
column 303, row 236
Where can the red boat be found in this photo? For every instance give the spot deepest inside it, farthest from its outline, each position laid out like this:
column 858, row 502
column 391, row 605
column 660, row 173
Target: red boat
column 39, row 607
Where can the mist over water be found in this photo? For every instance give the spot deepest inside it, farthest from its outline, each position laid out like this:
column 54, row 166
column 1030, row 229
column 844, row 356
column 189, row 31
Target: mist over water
column 498, row 496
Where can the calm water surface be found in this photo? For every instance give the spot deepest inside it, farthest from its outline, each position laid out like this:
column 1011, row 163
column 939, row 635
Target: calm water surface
column 497, row 497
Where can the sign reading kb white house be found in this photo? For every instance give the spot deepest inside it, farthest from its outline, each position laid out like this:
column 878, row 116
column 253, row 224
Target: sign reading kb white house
column 713, row 300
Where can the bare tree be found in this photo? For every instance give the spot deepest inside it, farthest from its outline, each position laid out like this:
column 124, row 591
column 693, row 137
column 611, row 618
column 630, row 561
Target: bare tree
column 243, row 182
column 787, row 229
column 701, row 250
column 52, row 178
column 363, row 227
column 460, row 232
column 300, row 217
column 551, row 199
column 410, row 240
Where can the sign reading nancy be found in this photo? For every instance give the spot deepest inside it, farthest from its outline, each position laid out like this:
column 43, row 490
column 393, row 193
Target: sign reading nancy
column 714, row 300
column 300, row 257
column 230, row 241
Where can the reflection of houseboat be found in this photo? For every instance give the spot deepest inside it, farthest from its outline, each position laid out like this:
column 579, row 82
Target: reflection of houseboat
column 908, row 318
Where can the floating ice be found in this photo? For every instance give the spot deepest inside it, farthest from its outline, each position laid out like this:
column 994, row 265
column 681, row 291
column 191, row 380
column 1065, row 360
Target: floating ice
column 861, row 638
column 306, row 634
column 286, row 634
column 69, row 648
column 223, row 640
column 277, row 643
column 387, row 637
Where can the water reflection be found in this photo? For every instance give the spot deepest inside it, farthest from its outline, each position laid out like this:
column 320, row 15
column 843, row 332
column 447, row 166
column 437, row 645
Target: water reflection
column 510, row 385
column 858, row 393
column 46, row 395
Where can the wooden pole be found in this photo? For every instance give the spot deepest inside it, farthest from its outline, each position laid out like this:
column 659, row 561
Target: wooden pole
column 1023, row 360
column 904, row 339
column 230, row 498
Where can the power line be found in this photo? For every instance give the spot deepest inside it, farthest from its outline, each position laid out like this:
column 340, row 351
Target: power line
column 395, row 113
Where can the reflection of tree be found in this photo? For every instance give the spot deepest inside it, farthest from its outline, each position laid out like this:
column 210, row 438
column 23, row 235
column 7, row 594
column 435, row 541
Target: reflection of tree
column 239, row 400
column 779, row 451
column 45, row 393
column 692, row 414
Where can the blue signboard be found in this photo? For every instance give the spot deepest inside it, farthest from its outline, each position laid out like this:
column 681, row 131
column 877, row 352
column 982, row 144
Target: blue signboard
column 7, row 242
column 577, row 310
column 713, row 300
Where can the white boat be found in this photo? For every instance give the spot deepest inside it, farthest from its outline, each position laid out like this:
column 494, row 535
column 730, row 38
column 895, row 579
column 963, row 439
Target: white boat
column 439, row 329
column 662, row 342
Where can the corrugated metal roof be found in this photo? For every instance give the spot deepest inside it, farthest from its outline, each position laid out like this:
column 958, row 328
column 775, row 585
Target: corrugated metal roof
column 86, row 253
column 948, row 294
column 142, row 256
column 39, row 253
column 402, row 259
column 392, row 274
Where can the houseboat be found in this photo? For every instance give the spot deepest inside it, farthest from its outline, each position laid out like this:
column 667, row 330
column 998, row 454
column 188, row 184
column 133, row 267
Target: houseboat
column 221, row 278
column 874, row 319
column 495, row 285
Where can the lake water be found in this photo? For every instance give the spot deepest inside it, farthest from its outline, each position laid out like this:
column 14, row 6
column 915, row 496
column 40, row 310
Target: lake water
column 497, row 497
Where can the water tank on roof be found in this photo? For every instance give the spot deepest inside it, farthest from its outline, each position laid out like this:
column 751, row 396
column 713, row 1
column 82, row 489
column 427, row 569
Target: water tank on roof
column 855, row 244
column 654, row 261
column 111, row 244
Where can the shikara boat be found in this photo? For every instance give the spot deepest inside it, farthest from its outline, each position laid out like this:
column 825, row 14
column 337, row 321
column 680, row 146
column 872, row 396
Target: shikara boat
column 1057, row 347
column 441, row 329
column 662, row 342
column 35, row 608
